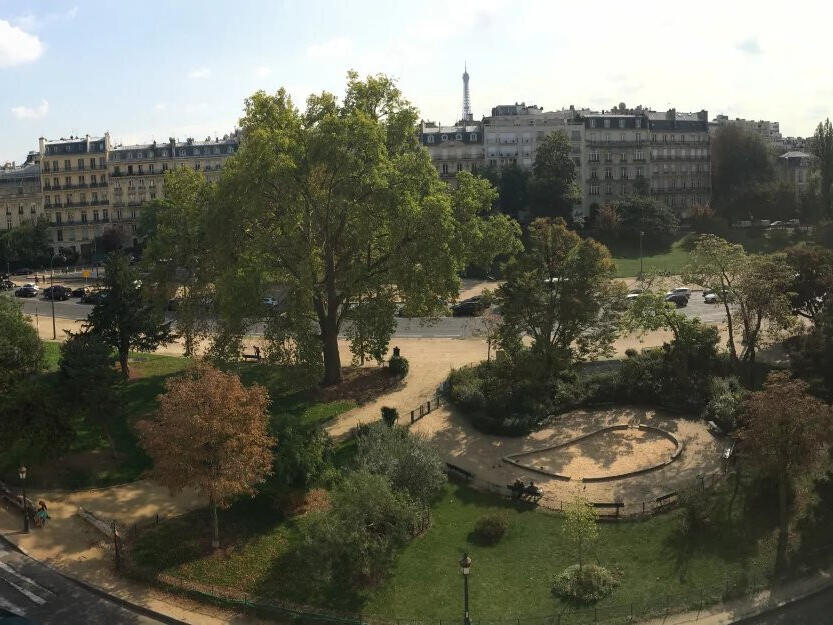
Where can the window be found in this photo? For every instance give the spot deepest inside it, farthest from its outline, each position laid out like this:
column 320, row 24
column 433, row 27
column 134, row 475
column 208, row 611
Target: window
column 95, row 216
column 639, row 156
column 638, row 122
column 621, row 123
column 608, row 173
column 20, row 209
column 607, row 123
column 623, row 137
column 473, row 136
column 92, row 163
column 80, row 163
column 54, row 165
column 592, row 123
column 459, row 166
column 458, row 136
column 129, row 169
column 104, row 214
column 67, row 165
column 575, row 135
column 594, row 174
column 445, row 168
column 443, row 137
column 623, row 173
column 58, row 218
column 594, row 156
column 594, row 189
column 101, row 162
column 59, row 235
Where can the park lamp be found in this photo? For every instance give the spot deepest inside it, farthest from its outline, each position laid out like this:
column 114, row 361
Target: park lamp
column 465, row 564
column 21, row 472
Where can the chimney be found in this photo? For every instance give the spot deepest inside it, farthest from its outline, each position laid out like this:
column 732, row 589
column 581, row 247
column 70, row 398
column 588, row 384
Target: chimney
column 42, row 144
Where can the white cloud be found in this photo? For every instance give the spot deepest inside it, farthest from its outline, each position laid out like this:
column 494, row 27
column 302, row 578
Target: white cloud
column 160, row 106
column 71, row 13
column 262, row 71
column 199, row 72
column 31, row 112
column 336, row 48
column 17, row 46
column 749, row 45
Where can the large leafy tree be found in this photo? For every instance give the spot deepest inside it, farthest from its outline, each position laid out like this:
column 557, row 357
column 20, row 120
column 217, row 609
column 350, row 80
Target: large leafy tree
column 512, row 183
column 341, row 206
column 822, row 146
column 177, row 254
column 124, row 319
column 658, row 223
column 21, row 350
column 742, row 172
column 561, row 293
column 784, row 431
column 813, row 278
column 210, row 433
column 554, row 191
column 26, row 244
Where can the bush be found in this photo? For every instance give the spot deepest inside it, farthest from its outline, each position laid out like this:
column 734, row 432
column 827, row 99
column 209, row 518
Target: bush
column 390, row 416
column 398, row 366
column 490, row 528
column 727, row 395
column 586, row 585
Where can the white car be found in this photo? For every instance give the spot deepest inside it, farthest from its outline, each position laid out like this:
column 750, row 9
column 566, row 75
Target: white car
column 680, row 291
column 31, row 285
column 270, row 301
column 711, row 298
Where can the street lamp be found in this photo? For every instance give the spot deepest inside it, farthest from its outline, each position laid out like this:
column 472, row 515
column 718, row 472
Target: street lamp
column 641, row 235
column 52, row 290
column 465, row 569
column 21, row 472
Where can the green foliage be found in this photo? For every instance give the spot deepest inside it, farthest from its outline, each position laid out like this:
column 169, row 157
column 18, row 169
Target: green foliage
column 341, row 206
column 303, row 453
column 398, row 366
column 25, row 245
column 21, row 350
column 408, row 461
column 90, row 381
column 636, row 214
column 512, row 184
column 811, row 354
column 586, row 584
column 560, row 292
column 371, row 327
column 813, row 278
column 124, row 319
column 742, row 173
column 727, row 396
column 354, row 542
column 389, row 416
column 581, row 527
column 490, row 528
column 553, row 190
column 822, row 147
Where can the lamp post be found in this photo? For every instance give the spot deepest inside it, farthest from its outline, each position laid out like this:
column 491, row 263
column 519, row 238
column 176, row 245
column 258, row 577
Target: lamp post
column 21, row 472
column 465, row 569
column 641, row 235
column 52, row 291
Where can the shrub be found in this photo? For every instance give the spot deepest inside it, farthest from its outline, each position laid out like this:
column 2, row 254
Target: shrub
column 727, row 396
column 390, row 416
column 398, row 366
column 587, row 584
column 490, row 528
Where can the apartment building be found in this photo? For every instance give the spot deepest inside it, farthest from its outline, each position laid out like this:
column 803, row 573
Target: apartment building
column 454, row 148
column 794, row 168
column 21, row 199
column 137, row 172
column 770, row 132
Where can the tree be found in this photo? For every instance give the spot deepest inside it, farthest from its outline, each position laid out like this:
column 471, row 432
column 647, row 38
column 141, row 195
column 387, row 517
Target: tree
column 554, row 191
column 112, row 239
column 90, row 380
column 580, row 527
column 124, row 319
column 783, row 431
column 210, row 433
column 21, row 350
column 409, row 462
column 339, row 203
column 813, row 278
column 741, row 166
column 512, row 184
column 607, row 222
column 177, row 252
column 638, row 214
column 812, row 354
column 26, row 244
column 561, row 293
column 822, row 147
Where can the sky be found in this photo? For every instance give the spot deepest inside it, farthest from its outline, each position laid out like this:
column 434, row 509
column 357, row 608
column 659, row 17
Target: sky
column 161, row 68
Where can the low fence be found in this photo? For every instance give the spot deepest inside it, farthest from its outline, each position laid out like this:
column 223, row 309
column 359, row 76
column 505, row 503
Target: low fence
column 423, row 409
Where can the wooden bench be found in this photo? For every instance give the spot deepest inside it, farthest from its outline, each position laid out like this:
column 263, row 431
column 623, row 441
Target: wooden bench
column 459, row 471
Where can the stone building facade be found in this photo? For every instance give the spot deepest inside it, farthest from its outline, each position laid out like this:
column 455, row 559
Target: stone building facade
column 21, row 199
column 454, row 148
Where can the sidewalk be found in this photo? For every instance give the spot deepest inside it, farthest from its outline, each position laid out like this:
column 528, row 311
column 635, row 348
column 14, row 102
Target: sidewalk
column 74, row 548
column 740, row 609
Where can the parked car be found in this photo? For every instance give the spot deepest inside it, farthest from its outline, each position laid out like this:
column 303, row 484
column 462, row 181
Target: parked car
column 470, row 307
column 270, row 301
column 711, row 298
column 57, row 292
column 679, row 300
column 26, row 291
column 23, row 271
column 81, row 291
column 94, row 298
column 680, row 291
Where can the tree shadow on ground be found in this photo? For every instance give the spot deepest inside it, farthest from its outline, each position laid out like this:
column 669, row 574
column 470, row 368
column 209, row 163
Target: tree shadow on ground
column 814, row 529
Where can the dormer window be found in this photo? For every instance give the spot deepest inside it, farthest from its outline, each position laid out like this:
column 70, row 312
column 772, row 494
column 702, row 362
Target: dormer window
column 458, row 136
column 429, row 139
column 473, row 136
column 444, row 138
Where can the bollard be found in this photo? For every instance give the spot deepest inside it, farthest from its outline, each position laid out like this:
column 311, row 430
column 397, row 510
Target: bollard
column 429, row 405
column 412, row 416
column 157, row 518
column 421, row 409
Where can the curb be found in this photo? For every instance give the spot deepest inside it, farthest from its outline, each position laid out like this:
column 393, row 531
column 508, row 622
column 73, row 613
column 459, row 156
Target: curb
column 100, row 592
column 780, row 605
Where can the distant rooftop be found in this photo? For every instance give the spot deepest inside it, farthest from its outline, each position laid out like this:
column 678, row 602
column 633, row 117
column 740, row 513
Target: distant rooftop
column 796, row 154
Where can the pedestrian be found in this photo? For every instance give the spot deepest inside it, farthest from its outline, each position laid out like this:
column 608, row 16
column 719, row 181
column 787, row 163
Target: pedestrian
column 41, row 516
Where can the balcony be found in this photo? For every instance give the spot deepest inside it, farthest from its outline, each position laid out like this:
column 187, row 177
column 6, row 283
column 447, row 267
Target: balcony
column 626, row 142
column 121, row 174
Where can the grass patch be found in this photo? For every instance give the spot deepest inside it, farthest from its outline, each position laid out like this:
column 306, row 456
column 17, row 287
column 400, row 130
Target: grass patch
column 653, row 560
column 671, row 261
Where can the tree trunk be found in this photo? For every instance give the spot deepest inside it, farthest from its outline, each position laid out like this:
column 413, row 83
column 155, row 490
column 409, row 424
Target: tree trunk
column 125, row 371
column 332, row 359
column 783, row 525
column 215, row 526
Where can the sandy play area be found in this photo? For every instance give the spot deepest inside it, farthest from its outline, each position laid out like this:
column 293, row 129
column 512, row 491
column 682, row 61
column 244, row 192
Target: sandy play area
column 602, row 454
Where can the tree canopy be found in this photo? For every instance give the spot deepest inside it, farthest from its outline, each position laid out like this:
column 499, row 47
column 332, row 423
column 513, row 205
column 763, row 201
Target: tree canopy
column 21, row 350
column 822, row 147
column 340, row 206
column 26, row 244
column 741, row 169
column 210, row 433
column 554, row 191
column 812, row 282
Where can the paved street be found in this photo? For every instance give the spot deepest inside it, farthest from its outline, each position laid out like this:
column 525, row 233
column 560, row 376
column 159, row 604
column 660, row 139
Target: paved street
column 30, row 589
column 816, row 610
column 442, row 327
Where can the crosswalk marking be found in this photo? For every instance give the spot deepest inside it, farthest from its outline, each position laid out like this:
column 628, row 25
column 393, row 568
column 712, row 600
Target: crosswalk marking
column 23, row 578
column 29, row 595
column 8, row 605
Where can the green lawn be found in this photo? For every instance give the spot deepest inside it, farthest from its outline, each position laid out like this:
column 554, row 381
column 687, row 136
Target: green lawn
column 510, row 580
column 672, row 261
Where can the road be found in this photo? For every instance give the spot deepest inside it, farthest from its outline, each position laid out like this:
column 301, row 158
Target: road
column 442, row 327
column 816, row 610
column 45, row 597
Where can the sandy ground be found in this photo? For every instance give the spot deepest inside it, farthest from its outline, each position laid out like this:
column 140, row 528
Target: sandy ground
column 482, row 454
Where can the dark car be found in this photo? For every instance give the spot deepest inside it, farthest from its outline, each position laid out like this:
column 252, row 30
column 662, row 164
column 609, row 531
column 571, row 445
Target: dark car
column 679, row 300
column 93, row 298
column 26, row 291
column 22, row 272
column 58, row 292
column 470, row 307
column 80, row 291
